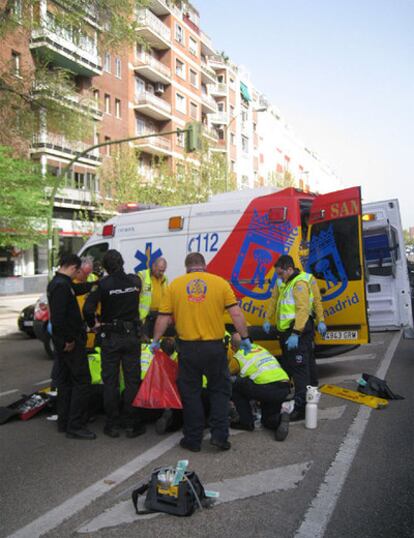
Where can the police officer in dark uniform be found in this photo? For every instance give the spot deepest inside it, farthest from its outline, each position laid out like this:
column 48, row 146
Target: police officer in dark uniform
column 118, row 294
column 69, row 339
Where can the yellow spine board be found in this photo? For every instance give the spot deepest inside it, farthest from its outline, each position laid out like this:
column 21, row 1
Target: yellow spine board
column 353, row 396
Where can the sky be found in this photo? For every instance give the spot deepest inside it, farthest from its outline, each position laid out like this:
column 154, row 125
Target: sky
column 342, row 74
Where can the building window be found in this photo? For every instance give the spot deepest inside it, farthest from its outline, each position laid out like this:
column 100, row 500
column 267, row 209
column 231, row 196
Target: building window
column 179, row 34
column 245, row 144
column 233, row 166
column 17, row 9
column 231, row 111
column 180, row 103
column 107, row 148
column 96, row 96
column 193, row 111
column 118, row 108
column 232, row 139
column 79, row 180
column 107, row 103
column 118, row 67
column 180, row 139
column 179, row 68
column 193, row 78
column 220, row 106
column 220, row 133
column 16, row 63
column 244, row 182
column 107, row 62
column 192, row 46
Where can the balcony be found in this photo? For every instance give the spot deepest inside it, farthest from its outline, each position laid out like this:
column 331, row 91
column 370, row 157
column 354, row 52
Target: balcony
column 77, row 101
column 58, row 146
column 209, row 133
column 156, row 145
column 79, row 56
column 220, row 118
column 159, row 7
column 152, row 69
column 206, row 44
column 208, row 104
column 208, row 75
column 152, row 106
column 153, row 30
column 219, row 89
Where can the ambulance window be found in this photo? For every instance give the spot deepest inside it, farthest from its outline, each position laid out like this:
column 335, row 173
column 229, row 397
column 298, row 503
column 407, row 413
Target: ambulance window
column 335, row 241
column 380, row 252
column 96, row 251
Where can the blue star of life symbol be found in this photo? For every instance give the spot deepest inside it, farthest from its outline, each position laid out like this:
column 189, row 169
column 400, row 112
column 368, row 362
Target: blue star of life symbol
column 146, row 258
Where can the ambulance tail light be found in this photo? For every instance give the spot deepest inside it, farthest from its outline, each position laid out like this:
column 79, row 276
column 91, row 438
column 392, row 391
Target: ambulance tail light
column 368, row 217
column 175, row 223
column 108, row 230
column 277, row 214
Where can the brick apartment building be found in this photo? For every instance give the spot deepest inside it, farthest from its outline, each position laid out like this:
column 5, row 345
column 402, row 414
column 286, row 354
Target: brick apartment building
column 177, row 78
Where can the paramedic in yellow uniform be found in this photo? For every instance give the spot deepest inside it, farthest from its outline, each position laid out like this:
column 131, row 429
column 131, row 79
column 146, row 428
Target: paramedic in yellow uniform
column 197, row 302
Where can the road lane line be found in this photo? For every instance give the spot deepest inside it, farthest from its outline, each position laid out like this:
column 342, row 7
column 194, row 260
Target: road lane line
column 323, row 505
column 339, row 379
column 51, row 519
column 344, row 358
column 43, row 382
column 12, row 391
column 231, row 489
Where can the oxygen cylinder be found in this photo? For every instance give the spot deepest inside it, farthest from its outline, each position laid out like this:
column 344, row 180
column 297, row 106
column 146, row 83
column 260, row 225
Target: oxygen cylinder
column 311, row 411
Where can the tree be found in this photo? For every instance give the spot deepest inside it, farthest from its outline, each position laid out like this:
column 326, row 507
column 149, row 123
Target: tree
column 23, row 207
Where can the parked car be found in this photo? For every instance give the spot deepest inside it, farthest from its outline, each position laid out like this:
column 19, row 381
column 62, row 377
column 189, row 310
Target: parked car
column 25, row 320
column 40, row 321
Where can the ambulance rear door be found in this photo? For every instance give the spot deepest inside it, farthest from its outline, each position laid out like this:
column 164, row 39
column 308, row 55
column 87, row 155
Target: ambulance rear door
column 336, row 260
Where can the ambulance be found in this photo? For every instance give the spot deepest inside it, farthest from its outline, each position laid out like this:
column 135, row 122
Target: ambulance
column 388, row 285
column 242, row 234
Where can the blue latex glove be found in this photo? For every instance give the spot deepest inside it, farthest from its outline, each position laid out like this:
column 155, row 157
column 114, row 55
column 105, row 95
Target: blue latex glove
column 155, row 346
column 266, row 327
column 292, row 342
column 322, row 328
column 246, row 345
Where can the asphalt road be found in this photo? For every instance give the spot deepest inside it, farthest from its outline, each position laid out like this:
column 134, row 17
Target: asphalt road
column 351, row 476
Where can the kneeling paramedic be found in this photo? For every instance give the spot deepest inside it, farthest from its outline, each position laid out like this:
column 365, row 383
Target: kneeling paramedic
column 261, row 378
column 291, row 306
column 118, row 294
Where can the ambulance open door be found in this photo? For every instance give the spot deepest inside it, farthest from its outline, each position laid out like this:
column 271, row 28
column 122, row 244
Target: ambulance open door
column 336, row 260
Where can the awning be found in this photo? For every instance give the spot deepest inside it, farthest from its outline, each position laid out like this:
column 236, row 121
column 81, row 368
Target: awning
column 245, row 92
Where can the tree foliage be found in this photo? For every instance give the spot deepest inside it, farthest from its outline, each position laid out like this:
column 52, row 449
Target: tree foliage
column 23, row 207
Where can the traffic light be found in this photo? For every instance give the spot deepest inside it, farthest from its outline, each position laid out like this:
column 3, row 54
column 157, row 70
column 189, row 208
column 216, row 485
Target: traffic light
column 193, row 136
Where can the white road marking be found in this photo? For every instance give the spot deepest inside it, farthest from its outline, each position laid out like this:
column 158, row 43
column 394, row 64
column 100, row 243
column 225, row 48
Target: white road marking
column 43, row 382
column 232, row 489
column 50, row 520
column 12, row 391
column 323, row 505
column 347, row 358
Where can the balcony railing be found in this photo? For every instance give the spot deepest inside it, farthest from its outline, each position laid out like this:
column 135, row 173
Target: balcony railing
column 210, row 133
column 219, row 89
column 146, row 98
column 147, row 59
column 219, row 117
column 206, row 39
column 161, row 142
column 85, row 104
column 147, row 18
column 209, row 101
column 61, row 144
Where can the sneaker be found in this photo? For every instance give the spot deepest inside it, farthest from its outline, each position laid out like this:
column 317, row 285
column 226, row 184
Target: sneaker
column 82, row 434
column 241, row 426
column 283, row 429
column 135, row 431
column 111, row 431
column 222, row 445
column 297, row 414
column 164, row 421
column 188, row 446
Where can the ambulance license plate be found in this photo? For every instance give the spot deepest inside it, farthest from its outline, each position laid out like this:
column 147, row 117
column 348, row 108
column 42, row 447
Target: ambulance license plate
column 341, row 335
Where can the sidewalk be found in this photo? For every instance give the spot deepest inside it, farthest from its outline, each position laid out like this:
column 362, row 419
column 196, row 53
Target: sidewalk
column 10, row 308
